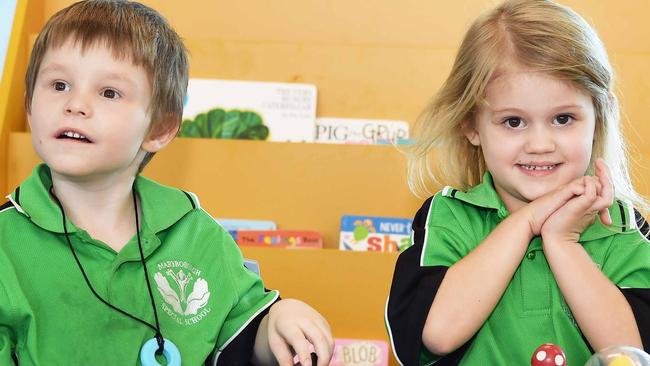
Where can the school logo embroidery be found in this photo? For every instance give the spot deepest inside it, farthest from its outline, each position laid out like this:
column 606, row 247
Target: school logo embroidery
column 186, row 294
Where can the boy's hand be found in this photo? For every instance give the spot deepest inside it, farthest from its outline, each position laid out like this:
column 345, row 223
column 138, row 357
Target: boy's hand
column 567, row 223
column 292, row 327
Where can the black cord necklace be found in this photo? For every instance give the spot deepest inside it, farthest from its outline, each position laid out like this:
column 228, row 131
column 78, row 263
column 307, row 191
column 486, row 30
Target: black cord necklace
column 159, row 338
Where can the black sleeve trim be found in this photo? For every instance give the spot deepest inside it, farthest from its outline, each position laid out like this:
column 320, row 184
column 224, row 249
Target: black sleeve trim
column 642, row 224
column 623, row 221
column 411, row 295
column 239, row 352
column 6, row 205
column 189, row 197
column 639, row 300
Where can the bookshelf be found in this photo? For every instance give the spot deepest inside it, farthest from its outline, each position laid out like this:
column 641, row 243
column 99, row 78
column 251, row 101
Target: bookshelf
column 381, row 59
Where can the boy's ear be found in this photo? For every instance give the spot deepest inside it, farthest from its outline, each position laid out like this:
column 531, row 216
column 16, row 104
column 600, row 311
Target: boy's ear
column 470, row 132
column 158, row 138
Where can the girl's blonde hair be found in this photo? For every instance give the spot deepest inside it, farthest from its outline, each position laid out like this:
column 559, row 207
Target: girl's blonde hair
column 540, row 35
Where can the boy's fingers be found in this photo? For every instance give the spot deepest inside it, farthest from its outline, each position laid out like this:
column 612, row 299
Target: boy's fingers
column 296, row 339
column 326, row 331
column 281, row 351
column 321, row 344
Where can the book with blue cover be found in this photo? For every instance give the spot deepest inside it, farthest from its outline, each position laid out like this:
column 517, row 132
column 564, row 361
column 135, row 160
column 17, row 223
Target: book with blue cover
column 234, row 225
column 376, row 234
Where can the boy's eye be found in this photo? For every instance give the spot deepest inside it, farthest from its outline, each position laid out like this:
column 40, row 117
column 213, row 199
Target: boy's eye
column 563, row 119
column 60, row 86
column 514, row 122
column 110, row 94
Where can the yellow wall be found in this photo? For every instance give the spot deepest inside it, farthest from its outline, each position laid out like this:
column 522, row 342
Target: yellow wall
column 380, row 59
column 28, row 20
column 375, row 59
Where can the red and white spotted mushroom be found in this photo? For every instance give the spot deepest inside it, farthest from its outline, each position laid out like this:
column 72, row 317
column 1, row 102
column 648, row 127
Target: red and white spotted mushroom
column 548, row 354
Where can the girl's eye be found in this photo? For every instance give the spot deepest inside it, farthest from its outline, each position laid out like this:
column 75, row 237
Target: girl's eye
column 60, row 86
column 514, row 122
column 563, row 119
column 110, row 94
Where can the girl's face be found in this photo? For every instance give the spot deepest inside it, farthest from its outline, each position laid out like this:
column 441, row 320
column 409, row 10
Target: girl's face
column 536, row 133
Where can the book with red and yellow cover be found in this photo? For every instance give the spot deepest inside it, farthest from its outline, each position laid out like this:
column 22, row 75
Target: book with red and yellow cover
column 280, row 238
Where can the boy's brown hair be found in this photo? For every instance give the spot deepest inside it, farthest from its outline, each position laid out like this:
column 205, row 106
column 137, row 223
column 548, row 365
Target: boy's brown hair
column 132, row 31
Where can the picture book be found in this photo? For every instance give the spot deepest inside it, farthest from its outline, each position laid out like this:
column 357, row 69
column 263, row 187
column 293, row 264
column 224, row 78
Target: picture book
column 240, row 224
column 249, row 110
column 280, row 238
column 234, row 225
column 360, row 131
column 359, row 352
column 371, row 233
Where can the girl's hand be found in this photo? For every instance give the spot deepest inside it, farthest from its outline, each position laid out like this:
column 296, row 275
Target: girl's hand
column 539, row 210
column 605, row 178
column 568, row 222
column 292, row 327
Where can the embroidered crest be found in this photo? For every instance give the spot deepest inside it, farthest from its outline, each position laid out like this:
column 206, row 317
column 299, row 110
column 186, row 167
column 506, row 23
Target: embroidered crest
column 186, row 294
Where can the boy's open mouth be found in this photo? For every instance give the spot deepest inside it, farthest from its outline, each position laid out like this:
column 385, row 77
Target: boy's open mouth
column 74, row 136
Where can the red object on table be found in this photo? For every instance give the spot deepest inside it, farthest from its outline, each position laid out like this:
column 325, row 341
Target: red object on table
column 548, row 354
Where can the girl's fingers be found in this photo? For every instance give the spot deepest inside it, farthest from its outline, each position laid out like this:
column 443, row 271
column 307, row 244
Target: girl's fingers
column 606, row 195
column 605, row 179
column 591, row 192
column 605, row 217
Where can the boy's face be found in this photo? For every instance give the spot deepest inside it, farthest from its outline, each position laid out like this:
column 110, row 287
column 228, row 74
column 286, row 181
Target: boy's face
column 536, row 134
column 89, row 112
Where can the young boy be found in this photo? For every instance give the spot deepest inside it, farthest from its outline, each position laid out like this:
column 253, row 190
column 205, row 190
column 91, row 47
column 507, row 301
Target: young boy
column 99, row 266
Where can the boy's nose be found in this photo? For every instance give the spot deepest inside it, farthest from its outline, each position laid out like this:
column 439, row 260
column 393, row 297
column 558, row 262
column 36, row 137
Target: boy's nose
column 77, row 106
column 73, row 110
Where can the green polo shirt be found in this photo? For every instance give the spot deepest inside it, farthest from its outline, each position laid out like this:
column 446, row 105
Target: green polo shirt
column 532, row 309
column 206, row 299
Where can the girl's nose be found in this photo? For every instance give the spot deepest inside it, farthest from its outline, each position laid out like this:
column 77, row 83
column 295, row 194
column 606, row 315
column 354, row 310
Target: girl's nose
column 540, row 140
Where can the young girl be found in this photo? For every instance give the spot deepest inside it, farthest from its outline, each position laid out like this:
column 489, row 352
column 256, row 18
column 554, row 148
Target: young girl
column 535, row 246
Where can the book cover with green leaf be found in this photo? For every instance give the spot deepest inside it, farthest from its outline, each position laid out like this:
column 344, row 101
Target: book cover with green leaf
column 249, row 110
